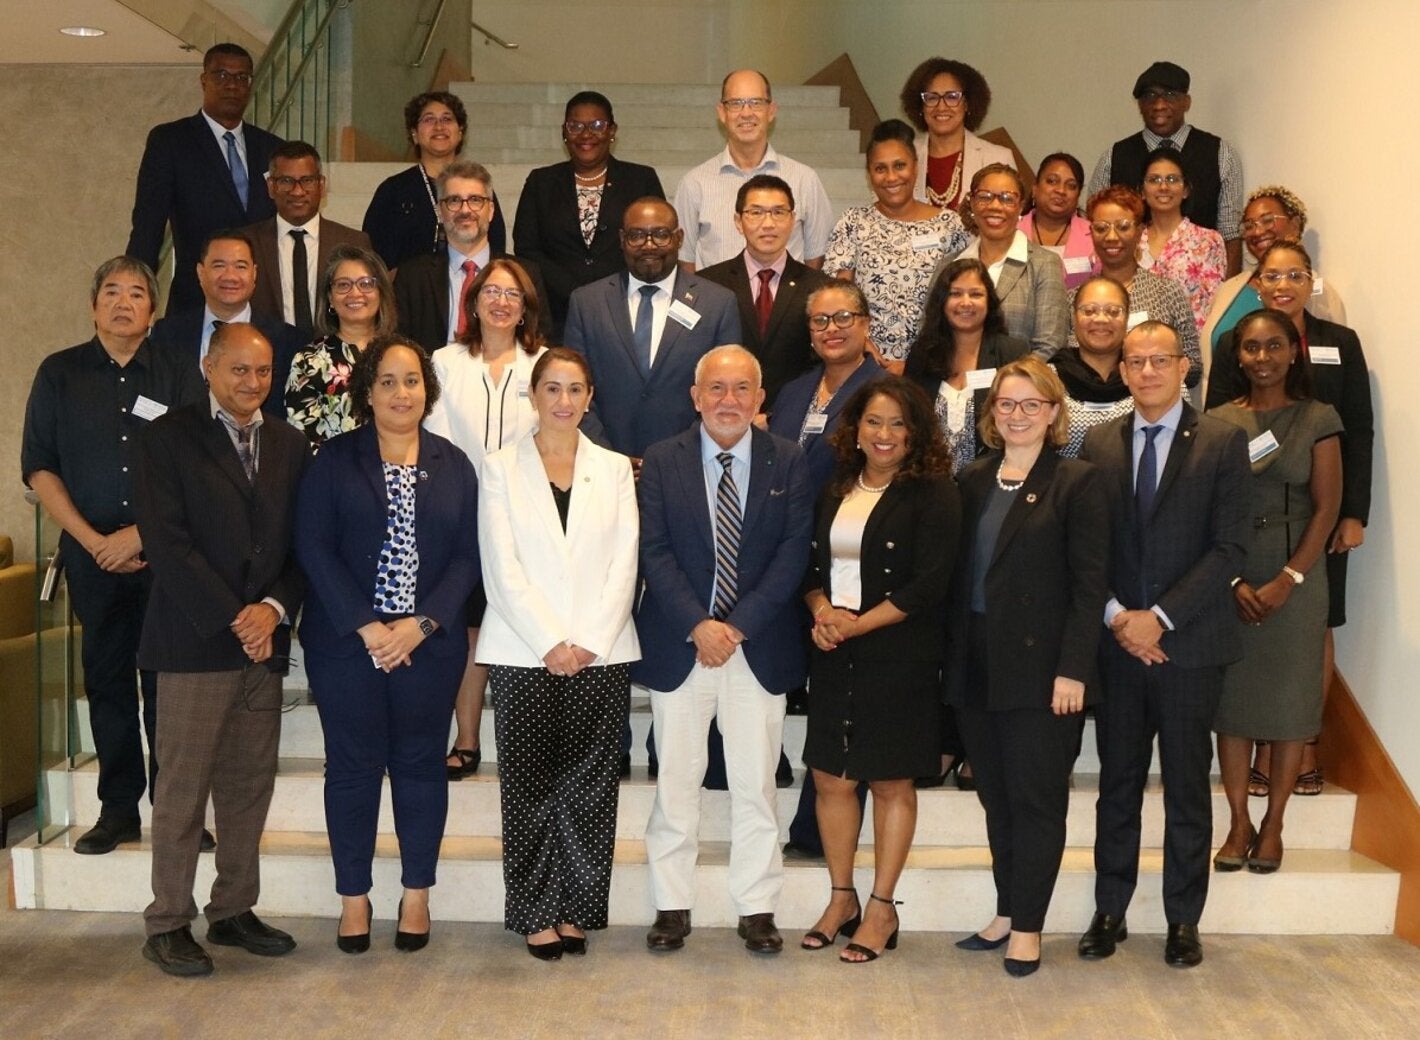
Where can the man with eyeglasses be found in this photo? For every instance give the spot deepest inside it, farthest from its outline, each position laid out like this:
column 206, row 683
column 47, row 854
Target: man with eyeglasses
column 293, row 246
column 1181, row 521
column 202, row 173
column 771, row 287
column 706, row 197
column 430, row 289
column 1212, row 165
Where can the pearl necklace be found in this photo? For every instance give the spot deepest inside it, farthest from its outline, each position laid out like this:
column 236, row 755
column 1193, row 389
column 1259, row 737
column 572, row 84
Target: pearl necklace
column 869, row 489
column 1001, row 483
column 592, row 178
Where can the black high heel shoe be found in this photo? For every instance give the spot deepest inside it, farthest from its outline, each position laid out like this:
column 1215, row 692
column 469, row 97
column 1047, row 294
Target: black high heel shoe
column 469, row 761
column 867, row 952
column 409, row 942
column 976, row 941
column 847, row 928
column 549, row 951
column 575, row 945
column 356, row 943
column 927, row 782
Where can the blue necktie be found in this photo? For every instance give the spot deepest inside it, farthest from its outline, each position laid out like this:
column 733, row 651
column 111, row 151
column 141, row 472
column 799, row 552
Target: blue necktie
column 1147, row 481
column 239, row 171
column 728, row 520
column 641, row 334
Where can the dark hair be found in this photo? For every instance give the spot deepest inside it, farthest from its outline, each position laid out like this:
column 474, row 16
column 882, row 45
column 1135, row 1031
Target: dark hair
column 1062, row 157
column 126, row 265
column 860, row 298
column 763, row 182
column 1298, row 384
column 367, row 368
column 566, row 355
column 291, row 151
column 893, row 130
column 927, row 452
column 527, row 335
column 589, row 97
column 1291, row 245
column 651, row 200
column 1291, row 205
column 1092, row 279
column 933, row 351
column 768, row 91
column 226, row 235
column 1117, row 195
column 415, row 108
column 1158, row 155
column 231, row 50
column 975, row 93
column 968, row 218
column 327, row 323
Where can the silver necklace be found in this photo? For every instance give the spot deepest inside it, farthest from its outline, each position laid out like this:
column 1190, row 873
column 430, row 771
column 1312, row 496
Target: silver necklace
column 871, row 490
column 1002, row 484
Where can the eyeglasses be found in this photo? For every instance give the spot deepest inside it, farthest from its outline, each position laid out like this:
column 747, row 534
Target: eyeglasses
column 1005, row 198
column 310, row 182
column 1296, row 276
column 1113, row 311
column 661, row 236
column 1155, row 361
column 950, row 98
column 1158, row 180
column 1030, row 406
column 222, row 76
column 430, row 119
column 494, row 293
column 759, row 214
column 1171, row 96
column 1262, row 223
column 345, row 286
column 458, row 202
column 577, row 127
column 1252, row 347
column 1120, row 227
column 735, row 104
column 840, row 319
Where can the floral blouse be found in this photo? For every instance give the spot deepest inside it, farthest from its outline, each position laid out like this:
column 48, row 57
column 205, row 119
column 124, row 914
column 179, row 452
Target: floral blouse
column 317, row 391
column 1194, row 257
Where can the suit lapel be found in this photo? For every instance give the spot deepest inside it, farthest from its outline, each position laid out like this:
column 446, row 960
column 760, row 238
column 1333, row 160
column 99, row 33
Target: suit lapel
column 692, row 475
column 1025, row 500
column 1125, row 469
column 670, row 334
column 1010, row 274
column 762, row 459
column 586, row 479
column 214, row 153
column 442, row 287
column 620, row 317
column 788, row 301
column 744, row 296
column 1183, row 439
column 218, row 444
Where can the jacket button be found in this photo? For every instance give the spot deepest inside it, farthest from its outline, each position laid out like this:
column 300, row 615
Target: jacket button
column 887, row 570
column 892, row 545
column 1030, row 640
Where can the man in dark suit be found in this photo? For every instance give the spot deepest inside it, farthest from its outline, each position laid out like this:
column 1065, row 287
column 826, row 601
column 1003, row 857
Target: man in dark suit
column 430, row 288
column 772, row 288
column 227, row 274
column 202, row 173
column 292, row 247
column 215, row 494
column 1181, row 520
column 726, row 512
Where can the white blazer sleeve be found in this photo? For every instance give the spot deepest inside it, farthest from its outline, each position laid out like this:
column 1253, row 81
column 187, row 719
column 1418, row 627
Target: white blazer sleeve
column 597, row 630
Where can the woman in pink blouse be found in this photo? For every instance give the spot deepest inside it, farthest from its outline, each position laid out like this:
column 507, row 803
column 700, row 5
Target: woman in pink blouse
column 1172, row 245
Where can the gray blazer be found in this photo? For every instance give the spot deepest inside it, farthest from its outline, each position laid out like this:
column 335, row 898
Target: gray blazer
column 1033, row 300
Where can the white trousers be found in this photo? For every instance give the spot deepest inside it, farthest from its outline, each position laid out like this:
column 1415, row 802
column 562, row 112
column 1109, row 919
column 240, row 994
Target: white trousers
column 752, row 723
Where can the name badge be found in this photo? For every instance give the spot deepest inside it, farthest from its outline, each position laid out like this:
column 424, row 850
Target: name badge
column 1261, row 446
column 1317, row 287
column 980, row 378
column 1320, row 355
column 522, row 388
column 815, row 423
column 147, row 408
column 926, row 241
column 682, row 314
column 1077, row 265
column 1136, row 318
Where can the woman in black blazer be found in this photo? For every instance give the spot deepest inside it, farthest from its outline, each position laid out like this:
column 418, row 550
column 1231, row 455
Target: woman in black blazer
column 1027, row 608
column 569, row 215
column 884, row 542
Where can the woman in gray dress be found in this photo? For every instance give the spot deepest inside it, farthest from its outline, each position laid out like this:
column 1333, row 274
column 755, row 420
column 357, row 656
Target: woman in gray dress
column 1274, row 692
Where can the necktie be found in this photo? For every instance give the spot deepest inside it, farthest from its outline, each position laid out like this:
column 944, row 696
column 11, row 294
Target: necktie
column 300, row 281
column 764, row 303
column 245, row 449
column 727, row 540
column 234, row 163
column 641, row 334
column 1167, row 142
column 470, row 272
column 1147, row 480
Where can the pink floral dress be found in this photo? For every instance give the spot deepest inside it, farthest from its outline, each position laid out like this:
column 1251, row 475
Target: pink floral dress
column 1194, row 257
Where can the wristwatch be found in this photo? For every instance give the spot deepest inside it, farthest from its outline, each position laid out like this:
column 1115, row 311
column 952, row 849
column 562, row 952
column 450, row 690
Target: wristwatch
column 1297, row 576
column 425, row 625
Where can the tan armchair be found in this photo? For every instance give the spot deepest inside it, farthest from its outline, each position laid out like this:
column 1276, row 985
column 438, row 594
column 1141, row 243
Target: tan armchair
column 19, row 733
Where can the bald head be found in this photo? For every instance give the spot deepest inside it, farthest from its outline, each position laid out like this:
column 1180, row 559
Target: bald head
column 238, row 369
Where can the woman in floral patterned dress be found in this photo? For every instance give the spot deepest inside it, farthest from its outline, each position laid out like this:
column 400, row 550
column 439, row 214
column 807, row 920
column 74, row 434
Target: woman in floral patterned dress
column 1172, row 246
column 359, row 308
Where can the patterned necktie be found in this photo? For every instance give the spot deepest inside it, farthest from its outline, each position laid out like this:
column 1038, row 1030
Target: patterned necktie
column 1147, row 480
column 728, row 519
column 641, row 334
column 246, row 445
column 300, row 281
column 470, row 272
column 238, row 168
column 764, row 303
column 1167, row 142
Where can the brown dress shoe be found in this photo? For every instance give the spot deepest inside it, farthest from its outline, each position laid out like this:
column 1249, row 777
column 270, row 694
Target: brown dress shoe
column 760, row 935
column 669, row 931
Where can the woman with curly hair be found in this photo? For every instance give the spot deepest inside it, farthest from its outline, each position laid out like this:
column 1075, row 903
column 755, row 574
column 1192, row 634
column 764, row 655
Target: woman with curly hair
column 948, row 100
column 885, row 538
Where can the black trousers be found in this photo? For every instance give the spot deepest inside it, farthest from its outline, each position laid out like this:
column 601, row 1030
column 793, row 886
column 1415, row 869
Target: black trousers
column 1176, row 704
column 110, row 607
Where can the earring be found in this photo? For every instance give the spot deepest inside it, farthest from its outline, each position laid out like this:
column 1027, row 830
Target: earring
column 520, row 322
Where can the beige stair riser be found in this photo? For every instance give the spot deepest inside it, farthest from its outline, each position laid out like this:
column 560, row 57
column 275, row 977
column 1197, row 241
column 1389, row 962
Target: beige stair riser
column 702, row 96
column 551, row 114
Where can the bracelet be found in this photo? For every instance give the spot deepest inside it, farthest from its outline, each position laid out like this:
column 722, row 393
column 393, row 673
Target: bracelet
column 1235, row 582
column 821, row 610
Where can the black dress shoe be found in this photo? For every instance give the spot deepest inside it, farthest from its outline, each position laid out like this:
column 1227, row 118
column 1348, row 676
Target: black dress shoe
column 669, row 931
column 653, row 768
column 574, row 945
column 178, row 953
column 106, row 835
column 1104, row 933
column 1019, row 969
column 976, row 942
column 250, row 933
column 759, row 934
column 796, row 702
column 784, row 777
column 469, row 761
column 1182, row 949
column 409, row 942
column 356, row 943
column 792, row 851
column 208, row 843
column 551, row 951
column 623, row 768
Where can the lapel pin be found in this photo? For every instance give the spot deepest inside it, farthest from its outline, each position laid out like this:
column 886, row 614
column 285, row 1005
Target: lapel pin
column 1031, row 498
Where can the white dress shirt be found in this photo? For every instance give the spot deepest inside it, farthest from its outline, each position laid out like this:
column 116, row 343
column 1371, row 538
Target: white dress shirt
column 286, row 250
column 660, row 306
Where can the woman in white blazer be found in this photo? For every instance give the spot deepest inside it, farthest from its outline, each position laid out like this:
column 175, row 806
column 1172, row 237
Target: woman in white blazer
column 948, row 100
column 558, row 532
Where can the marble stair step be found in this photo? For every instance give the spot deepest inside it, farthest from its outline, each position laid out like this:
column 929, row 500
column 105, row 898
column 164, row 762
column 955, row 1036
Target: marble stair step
column 700, row 95
column 659, row 112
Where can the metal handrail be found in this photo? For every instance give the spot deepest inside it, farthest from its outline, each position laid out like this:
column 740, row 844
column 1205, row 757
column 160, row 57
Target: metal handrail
column 489, row 37
column 294, row 80
column 429, row 36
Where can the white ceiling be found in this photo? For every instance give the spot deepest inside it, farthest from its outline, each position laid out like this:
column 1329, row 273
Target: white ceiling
column 31, row 35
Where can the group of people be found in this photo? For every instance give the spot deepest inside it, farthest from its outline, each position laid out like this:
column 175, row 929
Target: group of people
column 936, row 462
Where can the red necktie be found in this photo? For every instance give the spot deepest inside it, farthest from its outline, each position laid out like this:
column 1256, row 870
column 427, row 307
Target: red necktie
column 470, row 272
column 765, row 303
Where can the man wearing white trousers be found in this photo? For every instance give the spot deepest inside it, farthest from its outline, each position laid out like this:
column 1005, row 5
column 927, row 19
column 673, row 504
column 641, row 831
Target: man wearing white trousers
column 726, row 515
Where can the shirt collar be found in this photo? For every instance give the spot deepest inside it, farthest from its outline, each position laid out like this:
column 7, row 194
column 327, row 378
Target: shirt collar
column 709, row 449
column 634, row 284
column 100, row 357
column 284, row 227
column 481, row 258
column 754, row 266
column 769, row 162
column 1169, row 420
column 243, row 315
column 1020, row 248
column 218, row 412
column 218, row 129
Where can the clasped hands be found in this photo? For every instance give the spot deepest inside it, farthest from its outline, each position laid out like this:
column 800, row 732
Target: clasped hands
column 253, row 627
column 567, row 659
column 832, row 625
column 715, row 642
column 391, row 644
column 1138, row 633
column 118, row 553
column 1256, row 605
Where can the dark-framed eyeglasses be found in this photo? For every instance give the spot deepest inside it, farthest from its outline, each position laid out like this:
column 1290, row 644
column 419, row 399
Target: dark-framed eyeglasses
column 660, row 236
column 310, row 182
column 735, row 104
column 1138, row 362
column 454, row 203
column 1030, row 406
column 950, row 98
column 1157, row 94
column 577, row 127
column 345, row 286
column 840, row 319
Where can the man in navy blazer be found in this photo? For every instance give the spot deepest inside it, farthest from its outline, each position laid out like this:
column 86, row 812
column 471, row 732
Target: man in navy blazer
column 1179, row 539
column 227, row 275
column 643, row 354
column 202, row 173
column 726, row 513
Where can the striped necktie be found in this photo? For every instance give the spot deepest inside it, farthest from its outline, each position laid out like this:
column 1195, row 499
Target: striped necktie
column 728, row 519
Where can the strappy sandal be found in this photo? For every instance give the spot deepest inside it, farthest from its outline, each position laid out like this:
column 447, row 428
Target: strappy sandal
column 866, row 952
column 1258, row 783
column 847, row 928
column 1310, row 783
column 469, row 760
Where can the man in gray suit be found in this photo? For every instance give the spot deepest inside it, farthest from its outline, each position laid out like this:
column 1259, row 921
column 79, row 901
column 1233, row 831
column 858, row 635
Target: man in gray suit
column 1181, row 521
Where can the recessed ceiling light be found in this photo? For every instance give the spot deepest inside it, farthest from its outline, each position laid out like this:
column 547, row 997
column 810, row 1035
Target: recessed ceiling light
column 81, row 30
